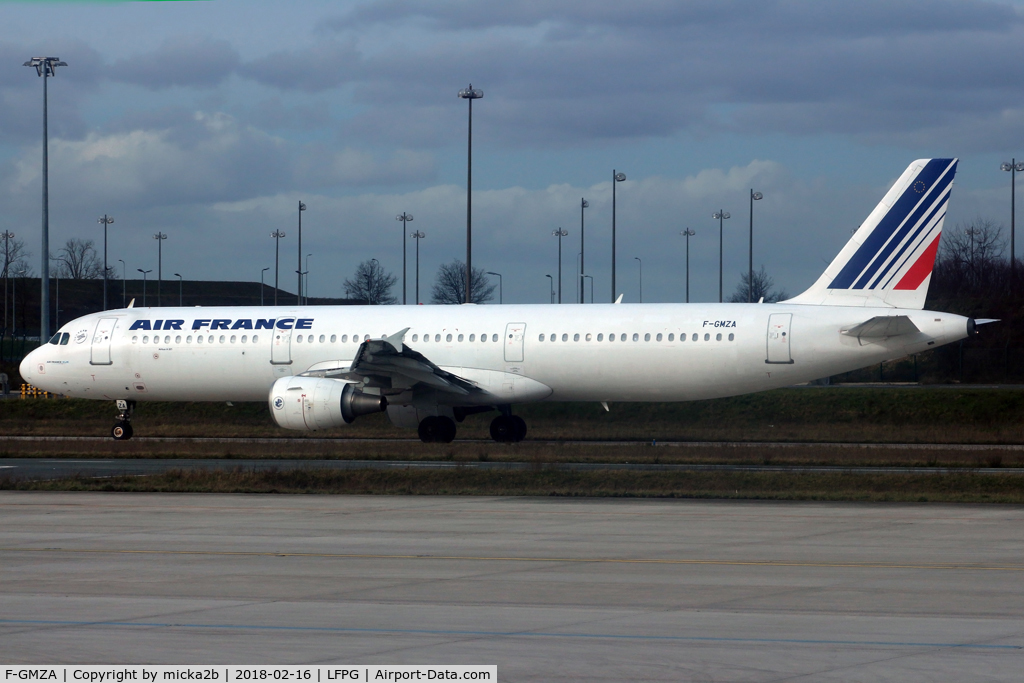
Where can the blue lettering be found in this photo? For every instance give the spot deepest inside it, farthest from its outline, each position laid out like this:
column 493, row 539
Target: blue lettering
column 285, row 324
column 156, row 325
column 304, row 324
column 220, row 324
column 173, row 324
column 140, row 325
column 200, row 324
column 242, row 325
column 264, row 324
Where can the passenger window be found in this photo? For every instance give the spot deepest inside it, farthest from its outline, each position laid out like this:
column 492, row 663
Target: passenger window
column 199, row 339
column 233, row 339
column 448, row 338
column 344, row 338
column 222, row 339
column 565, row 337
column 494, row 337
column 483, row 337
column 472, row 337
column 334, row 338
column 541, row 337
column 322, row 339
column 731, row 336
column 415, row 337
column 659, row 337
column 145, row 339
column 636, row 337
column 589, row 337
column 672, row 337
column 694, row 338
column 210, row 339
column 177, row 339
column 718, row 337
column 437, row 337
column 622, row 337
column 188, row 339
column 298, row 339
column 255, row 339
column 600, row 336
column 576, row 337
column 611, row 337
column 245, row 338
column 135, row 339
column 647, row 336
column 460, row 337
column 707, row 336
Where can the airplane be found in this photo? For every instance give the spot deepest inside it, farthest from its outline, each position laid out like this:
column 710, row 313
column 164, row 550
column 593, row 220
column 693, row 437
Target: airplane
column 429, row 367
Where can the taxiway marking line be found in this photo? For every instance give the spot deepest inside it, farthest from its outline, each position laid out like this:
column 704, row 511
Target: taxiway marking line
column 580, row 560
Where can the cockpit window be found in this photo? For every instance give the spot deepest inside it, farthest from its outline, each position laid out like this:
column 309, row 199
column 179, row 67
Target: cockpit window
column 64, row 338
column 55, row 339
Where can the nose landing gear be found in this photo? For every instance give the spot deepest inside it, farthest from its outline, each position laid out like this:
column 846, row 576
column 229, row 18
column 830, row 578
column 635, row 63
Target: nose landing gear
column 122, row 429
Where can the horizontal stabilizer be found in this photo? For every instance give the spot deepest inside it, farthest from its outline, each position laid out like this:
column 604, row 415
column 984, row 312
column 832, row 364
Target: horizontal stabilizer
column 882, row 327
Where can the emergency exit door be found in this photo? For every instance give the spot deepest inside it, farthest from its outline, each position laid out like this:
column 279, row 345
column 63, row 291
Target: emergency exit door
column 779, row 338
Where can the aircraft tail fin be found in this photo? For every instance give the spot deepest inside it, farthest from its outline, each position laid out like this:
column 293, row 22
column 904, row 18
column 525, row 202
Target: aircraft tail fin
column 888, row 262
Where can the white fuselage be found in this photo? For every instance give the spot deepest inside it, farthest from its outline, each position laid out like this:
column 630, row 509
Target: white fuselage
column 671, row 352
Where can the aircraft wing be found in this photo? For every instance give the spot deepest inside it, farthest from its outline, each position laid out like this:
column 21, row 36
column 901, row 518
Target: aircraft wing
column 389, row 364
column 882, row 327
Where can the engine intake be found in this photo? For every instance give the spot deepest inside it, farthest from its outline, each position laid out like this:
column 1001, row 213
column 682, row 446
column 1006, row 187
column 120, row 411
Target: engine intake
column 312, row 403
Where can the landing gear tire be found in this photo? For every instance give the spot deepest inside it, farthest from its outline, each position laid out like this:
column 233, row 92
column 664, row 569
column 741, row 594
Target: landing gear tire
column 122, row 431
column 508, row 429
column 437, row 429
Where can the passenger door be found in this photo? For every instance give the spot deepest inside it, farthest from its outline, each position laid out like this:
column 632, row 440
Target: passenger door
column 101, row 340
column 515, row 334
column 779, row 338
column 281, row 344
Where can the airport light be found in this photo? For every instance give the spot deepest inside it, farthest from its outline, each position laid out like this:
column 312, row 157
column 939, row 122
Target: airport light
column 641, row 263
column 551, row 285
column 418, row 235
column 144, row 273
column 721, row 216
column 46, row 68
column 159, row 237
column 124, row 287
column 469, row 94
column 560, row 233
column 262, row 286
column 302, row 207
column 754, row 196
column 616, row 179
column 1013, row 167
column 306, row 288
column 8, row 236
column 500, row 296
column 688, row 234
column 405, row 218
column 277, row 235
column 583, row 205
column 56, row 299
column 178, row 275
column 106, row 221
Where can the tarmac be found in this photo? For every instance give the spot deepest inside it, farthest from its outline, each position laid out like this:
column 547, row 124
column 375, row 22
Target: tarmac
column 547, row 589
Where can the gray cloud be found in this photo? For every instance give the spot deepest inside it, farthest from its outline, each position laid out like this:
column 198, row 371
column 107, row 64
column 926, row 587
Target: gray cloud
column 183, row 61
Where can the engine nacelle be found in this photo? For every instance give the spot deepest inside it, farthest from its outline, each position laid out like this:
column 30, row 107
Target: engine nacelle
column 312, row 403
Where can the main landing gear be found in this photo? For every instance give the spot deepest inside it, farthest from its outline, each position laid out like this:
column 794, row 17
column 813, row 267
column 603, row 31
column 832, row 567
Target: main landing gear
column 437, row 429
column 508, row 428
column 122, row 430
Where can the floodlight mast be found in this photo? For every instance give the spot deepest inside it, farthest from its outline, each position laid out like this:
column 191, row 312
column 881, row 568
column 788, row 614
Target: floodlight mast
column 721, row 216
column 46, row 67
column 470, row 94
column 404, row 218
column 1013, row 167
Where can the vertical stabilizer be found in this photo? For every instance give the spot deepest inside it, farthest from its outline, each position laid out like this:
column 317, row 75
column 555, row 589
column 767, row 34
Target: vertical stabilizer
column 889, row 260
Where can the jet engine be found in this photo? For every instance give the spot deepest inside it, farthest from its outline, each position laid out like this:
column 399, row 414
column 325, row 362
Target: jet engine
column 312, row 403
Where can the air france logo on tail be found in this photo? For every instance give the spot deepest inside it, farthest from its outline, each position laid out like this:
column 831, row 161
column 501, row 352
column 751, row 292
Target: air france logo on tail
column 899, row 252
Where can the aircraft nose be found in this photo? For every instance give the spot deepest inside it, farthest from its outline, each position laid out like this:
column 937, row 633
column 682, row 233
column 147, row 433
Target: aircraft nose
column 27, row 366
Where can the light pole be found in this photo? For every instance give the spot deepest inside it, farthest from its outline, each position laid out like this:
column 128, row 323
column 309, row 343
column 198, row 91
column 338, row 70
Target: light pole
column 551, row 286
column 469, row 94
column 754, row 196
column 277, row 235
column 591, row 278
column 159, row 237
column 178, row 275
column 500, row 295
column 721, row 216
column 306, row 287
column 418, row 236
column 369, row 276
column 46, row 67
column 144, row 273
column 1013, row 167
column 262, row 286
column 583, row 205
column 616, row 179
column 106, row 220
column 56, row 300
column 302, row 207
column 405, row 218
column 124, row 286
column 637, row 259
column 560, row 234
column 8, row 236
column 688, row 234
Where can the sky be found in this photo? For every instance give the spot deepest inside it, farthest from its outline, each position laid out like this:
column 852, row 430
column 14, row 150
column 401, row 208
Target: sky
column 211, row 120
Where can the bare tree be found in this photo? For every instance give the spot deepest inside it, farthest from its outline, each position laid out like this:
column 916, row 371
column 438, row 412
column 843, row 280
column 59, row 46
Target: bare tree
column 971, row 261
column 371, row 284
column 763, row 287
column 450, row 285
column 78, row 260
column 16, row 259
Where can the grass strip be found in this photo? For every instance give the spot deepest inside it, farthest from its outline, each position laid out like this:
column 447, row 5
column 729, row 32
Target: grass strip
column 946, row 488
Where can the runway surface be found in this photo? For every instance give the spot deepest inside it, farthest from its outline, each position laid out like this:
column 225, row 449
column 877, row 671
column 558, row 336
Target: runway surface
column 547, row 589
column 58, row 468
